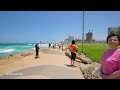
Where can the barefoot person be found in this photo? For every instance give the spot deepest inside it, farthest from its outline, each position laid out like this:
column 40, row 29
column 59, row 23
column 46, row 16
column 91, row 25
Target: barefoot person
column 110, row 61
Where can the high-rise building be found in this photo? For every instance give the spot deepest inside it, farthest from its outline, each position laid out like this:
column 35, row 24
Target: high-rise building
column 89, row 37
column 69, row 39
column 113, row 30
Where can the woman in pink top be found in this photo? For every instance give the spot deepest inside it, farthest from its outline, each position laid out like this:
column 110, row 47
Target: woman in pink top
column 110, row 61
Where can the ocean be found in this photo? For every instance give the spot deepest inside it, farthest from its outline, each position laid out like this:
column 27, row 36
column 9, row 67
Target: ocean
column 7, row 49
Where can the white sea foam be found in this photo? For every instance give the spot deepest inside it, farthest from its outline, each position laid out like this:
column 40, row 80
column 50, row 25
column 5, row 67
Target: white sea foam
column 6, row 50
column 43, row 45
column 25, row 46
column 29, row 44
column 33, row 48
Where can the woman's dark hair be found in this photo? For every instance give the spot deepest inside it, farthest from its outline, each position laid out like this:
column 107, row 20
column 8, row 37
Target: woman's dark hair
column 73, row 41
column 118, row 36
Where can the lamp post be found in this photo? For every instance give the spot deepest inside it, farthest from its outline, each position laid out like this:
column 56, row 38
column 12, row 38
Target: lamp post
column 83, row 32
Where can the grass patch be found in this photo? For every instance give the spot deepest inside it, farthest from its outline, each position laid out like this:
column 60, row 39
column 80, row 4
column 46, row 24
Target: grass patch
column 94, row 51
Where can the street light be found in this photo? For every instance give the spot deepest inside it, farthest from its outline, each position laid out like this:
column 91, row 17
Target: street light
column 83, row 32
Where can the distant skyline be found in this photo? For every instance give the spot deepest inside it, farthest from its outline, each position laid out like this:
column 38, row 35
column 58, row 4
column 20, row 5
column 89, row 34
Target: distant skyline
column 54, row 26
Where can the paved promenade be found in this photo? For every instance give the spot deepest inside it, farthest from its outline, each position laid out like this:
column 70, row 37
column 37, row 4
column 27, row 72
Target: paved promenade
column 52, row 64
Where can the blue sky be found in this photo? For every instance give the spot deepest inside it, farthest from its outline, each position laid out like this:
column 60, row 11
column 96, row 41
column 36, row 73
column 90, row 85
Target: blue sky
column 54, row 26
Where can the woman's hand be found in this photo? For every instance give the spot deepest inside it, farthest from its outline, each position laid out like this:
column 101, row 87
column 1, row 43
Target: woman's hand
column 105, row 76
column 113, row 75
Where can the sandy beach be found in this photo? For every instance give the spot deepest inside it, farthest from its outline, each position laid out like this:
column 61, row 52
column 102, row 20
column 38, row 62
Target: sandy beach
column 52, row 64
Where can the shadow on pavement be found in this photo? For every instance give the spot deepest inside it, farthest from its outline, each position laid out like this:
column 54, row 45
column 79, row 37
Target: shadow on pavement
column 68, row 65
column 50, row 71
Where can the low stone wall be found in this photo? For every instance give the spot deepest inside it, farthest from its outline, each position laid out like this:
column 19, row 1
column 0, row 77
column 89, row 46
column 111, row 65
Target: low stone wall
column 90, row 69
column 27, row 53
column 82, row 57
column 16, row 57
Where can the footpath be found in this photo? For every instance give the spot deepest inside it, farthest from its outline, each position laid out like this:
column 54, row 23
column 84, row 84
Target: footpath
column 52, row 64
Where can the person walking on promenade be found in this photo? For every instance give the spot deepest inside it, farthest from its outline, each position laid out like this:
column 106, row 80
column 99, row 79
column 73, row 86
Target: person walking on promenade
column 53, row 45
column 73, row 49
column 110, row 60
column 49, row 45
column 59, row 46
column 37, row 47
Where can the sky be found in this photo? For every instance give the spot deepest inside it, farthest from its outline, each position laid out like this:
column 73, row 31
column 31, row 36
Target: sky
column 54, row 26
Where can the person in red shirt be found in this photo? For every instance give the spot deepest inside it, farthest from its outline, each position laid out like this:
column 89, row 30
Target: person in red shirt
column 73, row 48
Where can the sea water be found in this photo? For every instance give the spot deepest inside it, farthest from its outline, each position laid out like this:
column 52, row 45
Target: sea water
column 7, row 49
